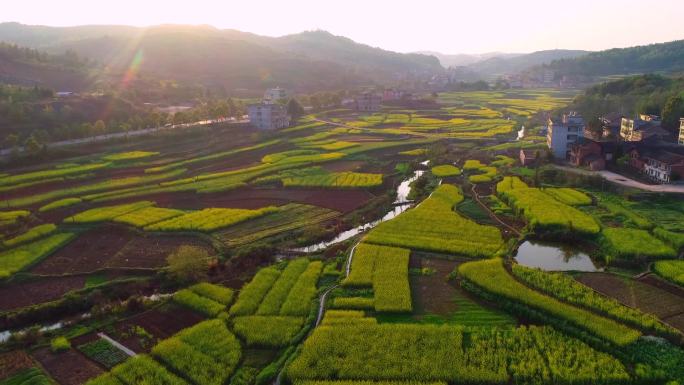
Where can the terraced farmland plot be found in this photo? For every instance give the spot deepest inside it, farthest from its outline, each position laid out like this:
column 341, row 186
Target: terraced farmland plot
column 319, row 177
column 107, row 213
column 147, row 216
column 632, row 243
column 434, row 226
column 288, row 217
column 386, row 269
column 18, row 258
column 569, row 196
column 491, row 277
column 649, row 299
column 542, row 211
column 209, row 219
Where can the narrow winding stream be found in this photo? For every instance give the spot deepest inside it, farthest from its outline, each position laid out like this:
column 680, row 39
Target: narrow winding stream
column 401, row 204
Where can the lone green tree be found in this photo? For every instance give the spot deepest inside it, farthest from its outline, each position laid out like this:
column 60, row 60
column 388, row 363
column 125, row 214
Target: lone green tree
column 294, row 109
column 188, row 264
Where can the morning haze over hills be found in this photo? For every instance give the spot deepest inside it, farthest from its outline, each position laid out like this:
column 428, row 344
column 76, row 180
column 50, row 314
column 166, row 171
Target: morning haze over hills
column 184, row 204
column 309, row 61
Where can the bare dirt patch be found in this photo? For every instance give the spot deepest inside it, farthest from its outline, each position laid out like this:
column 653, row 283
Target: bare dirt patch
column 161, row 323
column 89, row 252
column 68, row 368
column 114, row 247
column 647, row 298
column 151, row 251
column 250, row 198
column 343, row 165
column 433, row 293
column 14, row 296
column 13, row 362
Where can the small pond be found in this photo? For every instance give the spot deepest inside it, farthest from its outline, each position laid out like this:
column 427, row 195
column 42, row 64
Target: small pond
column 554, row 257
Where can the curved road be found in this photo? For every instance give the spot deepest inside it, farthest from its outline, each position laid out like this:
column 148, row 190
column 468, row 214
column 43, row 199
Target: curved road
column 625, row 181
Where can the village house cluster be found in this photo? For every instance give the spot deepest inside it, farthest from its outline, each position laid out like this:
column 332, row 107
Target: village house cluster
column 639, row 142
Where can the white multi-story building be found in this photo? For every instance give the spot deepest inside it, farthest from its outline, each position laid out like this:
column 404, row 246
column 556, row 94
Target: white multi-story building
column 272, row 95
column 268, row 116
column 563, row 133
column 681, row 131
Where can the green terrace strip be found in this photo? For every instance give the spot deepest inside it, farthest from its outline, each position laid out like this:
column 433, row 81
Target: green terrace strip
column 198, row 302
column 22, row 256
column 213, row 156
column 29, row 376
column 346, row 350
column 107, row 213
column 386, row 269
column 445, row 170
column 542, row 210
column 205, row 354
column 147, row 216
column 569, row 196
column 209, row 219
column 540, row 355
column 330, row 145
column 107, row 185
column 103, row 352
column 568, row 290
column 363, row 263
column 632, row 243
column 434, row 226
column 11, row 217
column 32, row 234
column 390, row 280
column 672, row 270
column 383, row 352
column 48, row 174
column 131, row 155
column 60, row 204
column 487, row 173
column 253, row 293
column 288, row 217
column 503, row 161
column 675, row 240
column 491, row 277
column 319, row 177
column 137, row 370
column 416, row 152
column 360, row 303
column 275, row 298
column 267, row 331
column 220, row 294
column 298, row 300
column 617, row 208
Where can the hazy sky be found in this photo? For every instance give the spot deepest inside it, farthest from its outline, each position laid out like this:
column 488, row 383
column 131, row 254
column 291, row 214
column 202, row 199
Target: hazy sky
column 470, row 26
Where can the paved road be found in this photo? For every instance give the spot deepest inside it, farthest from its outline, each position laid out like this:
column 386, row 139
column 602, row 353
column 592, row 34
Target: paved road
column 117, row 135
column 625, row 181
column 117, row 344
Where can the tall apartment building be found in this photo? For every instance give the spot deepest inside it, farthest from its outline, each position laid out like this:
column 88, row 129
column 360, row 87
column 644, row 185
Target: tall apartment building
column 268, row 116
column 563, row 133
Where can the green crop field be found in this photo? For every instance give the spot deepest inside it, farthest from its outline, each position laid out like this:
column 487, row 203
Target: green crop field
column 567, row 289
column 672, row 270
column 20, row 257
column 632, row 243
column 491, row 277
column 435, row 226
column 445, row 170
column 542, row 211
column 208, row 219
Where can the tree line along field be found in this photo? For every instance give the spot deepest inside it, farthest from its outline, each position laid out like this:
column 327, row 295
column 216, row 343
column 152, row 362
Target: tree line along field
column 371, row 332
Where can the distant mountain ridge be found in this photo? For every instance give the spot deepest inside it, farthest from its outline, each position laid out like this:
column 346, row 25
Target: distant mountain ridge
column 660, row 57
column 229, row 59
